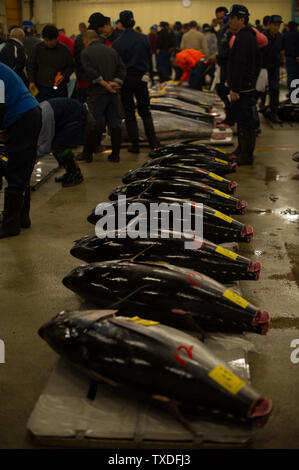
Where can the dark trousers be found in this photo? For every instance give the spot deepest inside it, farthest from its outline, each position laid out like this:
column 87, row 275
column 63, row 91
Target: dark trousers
column 292, row 69
column 135, row 87
column 106, row 110
column 47, row 93
column 21, row 149
column 197, row 75
column 244, row 111
column 163, row 65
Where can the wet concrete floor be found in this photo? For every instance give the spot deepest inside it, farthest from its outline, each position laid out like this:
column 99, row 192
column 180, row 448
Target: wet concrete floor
column 33, row 265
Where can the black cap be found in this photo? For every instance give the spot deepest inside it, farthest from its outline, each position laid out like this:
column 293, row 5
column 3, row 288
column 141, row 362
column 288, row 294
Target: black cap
column 97, row 20
column 238, row 10
column 276, row 19
column 206, row 27
column 164, row 24
column 126, row 15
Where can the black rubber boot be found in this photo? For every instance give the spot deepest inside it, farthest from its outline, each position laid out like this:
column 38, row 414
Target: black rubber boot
column 11, row 221
column 73, row 175
column 73, row 179
column 274, row 103
column 247, row 138
column 25, row 218
column 116, row 144
column 133, row 134
column 150, row 133
column 60, row 179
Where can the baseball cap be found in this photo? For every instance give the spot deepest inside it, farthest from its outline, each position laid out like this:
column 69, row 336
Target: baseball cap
column 238, row 10
column 276, row 19
column 126, row 15
column 97, row 20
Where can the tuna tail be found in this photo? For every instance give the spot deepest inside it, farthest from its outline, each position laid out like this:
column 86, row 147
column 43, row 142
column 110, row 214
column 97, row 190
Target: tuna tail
column 262, row 321
column 260, row 411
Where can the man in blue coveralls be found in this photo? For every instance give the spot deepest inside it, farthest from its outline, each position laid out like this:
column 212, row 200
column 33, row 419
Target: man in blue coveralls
column 20, row 118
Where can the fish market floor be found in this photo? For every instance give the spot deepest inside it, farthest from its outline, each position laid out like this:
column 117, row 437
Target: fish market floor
column 33, row 265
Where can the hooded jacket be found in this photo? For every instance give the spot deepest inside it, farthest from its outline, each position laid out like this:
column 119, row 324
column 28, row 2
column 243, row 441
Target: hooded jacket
column 186, row 60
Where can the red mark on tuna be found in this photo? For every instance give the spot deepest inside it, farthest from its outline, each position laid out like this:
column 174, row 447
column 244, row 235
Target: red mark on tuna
column 178, row 357
column 194, row 279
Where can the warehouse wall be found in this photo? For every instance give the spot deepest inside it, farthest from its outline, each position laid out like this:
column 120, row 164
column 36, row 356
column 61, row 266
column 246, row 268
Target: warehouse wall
column 70, row 13
column 3, row 13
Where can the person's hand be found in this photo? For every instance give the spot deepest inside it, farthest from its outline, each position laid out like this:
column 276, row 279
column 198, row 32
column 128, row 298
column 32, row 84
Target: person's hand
column 233, row 96
column 2, row 136
column 60, row 79
column 32, row 87
column 158, row 51
column 107, row 85
column 115, row 85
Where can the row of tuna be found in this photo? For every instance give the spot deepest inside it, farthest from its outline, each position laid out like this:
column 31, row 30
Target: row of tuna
column 147, row 290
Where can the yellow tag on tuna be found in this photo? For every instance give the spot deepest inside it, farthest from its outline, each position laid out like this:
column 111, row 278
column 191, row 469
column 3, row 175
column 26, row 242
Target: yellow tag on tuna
column 220, row 193
column 221, row 161
column 162, row 92
column 235, row 298
column 142, row 321
column 227, row 253
column 223, row 217
column 227, row 379
column 154, row 100
column 219, row 150
column 216, row 177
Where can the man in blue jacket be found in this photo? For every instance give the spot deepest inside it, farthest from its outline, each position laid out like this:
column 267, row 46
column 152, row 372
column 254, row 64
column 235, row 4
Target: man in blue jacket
column 20, row 118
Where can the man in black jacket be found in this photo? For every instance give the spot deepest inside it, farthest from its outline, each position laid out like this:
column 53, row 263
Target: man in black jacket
column 271, row 61
column 105, row 72
column 135, row 50
column 13, row 53
column 165, row 45
column 243, row 68
column 47, row 59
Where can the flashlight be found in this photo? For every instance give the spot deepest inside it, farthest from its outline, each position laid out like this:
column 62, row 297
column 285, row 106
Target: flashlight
column 55, row 87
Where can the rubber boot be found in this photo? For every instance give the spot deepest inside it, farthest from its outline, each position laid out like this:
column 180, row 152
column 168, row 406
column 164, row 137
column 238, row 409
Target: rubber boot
column 11, row 222
column 73, row 172
column 59, row 155
column 247, row 138
column 274, row 103
column 133, row 134
column 116, row 144
column 150, row 133
column 25, row 218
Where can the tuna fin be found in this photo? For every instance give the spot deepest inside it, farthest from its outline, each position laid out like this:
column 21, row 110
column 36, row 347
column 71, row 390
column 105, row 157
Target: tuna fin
column 172, row 407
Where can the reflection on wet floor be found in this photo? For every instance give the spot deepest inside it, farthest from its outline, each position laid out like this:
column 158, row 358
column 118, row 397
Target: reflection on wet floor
column 292, row 215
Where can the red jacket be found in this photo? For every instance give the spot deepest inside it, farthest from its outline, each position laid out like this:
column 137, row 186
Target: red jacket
column 187, row 59
column 67, row 42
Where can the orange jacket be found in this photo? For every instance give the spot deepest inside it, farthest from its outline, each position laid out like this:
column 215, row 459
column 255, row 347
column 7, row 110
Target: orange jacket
column 187, row 59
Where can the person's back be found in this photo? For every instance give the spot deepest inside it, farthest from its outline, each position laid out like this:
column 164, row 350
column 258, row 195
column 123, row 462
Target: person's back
column 134, row 50
column 18, row 100
column 100, row 61
column 13, row 53
column 193, row 39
